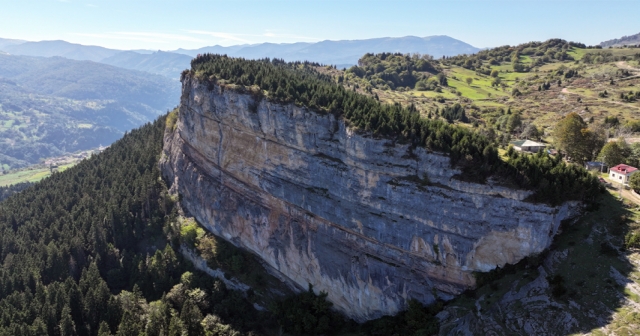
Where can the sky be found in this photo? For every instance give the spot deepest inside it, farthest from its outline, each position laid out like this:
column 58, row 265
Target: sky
column 191, row 24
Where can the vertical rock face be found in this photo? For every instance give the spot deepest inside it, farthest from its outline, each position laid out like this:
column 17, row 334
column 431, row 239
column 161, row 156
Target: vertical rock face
column 370, row 222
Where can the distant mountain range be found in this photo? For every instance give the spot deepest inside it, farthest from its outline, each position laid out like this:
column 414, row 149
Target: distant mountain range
column 60, row 48
column 341, row 53
column 345, row 52
column 625, row 40
column 8, row 42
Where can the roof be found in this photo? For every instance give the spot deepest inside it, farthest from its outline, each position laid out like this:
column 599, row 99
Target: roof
column 594, row 163
column 624, row 169
column 527, row 143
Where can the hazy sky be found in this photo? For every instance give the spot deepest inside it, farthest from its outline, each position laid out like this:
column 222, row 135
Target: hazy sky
column 171, row 24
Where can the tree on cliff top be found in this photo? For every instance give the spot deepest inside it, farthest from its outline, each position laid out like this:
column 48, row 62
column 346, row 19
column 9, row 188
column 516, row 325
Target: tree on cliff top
column 611, row 154
column 573, row 137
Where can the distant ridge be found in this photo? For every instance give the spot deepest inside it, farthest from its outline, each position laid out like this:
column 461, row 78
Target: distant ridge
column 64, row 49
column 625, row 40
column 9, row 42
column 162, row 63
column 345, row 52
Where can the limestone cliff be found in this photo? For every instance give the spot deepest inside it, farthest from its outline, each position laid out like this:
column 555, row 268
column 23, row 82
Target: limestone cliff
column 371, row 222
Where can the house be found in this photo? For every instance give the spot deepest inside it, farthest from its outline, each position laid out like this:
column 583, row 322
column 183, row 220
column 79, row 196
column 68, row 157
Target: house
column 527, row 146
column 621, row 173
column 599, row 166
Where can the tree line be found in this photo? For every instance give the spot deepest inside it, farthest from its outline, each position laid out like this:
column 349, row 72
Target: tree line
column 302, row 85
column 9, row 190
column 545, row 52
column 394, row 70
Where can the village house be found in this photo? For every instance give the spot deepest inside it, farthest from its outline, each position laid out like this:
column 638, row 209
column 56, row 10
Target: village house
column 621, row 173
column 527, row 146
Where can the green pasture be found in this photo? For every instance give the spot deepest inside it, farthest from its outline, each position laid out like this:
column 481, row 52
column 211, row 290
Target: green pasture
column 578, row 53
column 29, row 175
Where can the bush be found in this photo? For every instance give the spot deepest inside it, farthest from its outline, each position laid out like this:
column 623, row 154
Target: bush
column 632, row 240
column 172, row 119
column 515, row 92
column 634, row 182
column 190, row 233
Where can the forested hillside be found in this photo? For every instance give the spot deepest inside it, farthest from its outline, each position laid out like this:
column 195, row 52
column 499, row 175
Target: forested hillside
column 85, row 252
column 49, row 106
column 161, row 63
column 84, row 80
column 8, row 191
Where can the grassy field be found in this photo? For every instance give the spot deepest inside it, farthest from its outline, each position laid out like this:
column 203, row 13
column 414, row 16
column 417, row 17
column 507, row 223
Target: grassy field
column 28, row 175
column 543, row 108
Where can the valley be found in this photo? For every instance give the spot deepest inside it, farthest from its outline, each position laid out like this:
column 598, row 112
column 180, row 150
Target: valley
column 53, row 106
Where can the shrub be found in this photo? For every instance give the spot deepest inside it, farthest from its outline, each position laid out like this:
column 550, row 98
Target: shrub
column 632, row 240
column 172, row 119
column 190, row 233
column 515, row 92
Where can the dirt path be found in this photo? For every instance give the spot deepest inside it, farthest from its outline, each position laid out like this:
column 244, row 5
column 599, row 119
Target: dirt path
column 626, row 66
column 628, row 194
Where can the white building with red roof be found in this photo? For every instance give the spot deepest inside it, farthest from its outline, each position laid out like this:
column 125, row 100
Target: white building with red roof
column 621, row 173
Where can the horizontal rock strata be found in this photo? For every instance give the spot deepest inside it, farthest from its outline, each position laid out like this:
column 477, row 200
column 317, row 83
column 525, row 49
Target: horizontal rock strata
column 371, row 222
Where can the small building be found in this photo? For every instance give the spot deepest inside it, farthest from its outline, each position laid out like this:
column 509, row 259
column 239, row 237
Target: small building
column 599, row 166
column 528, row 146
column 621, row 173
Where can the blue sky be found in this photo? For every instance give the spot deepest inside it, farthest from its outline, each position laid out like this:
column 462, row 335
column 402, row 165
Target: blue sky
column 171, row 24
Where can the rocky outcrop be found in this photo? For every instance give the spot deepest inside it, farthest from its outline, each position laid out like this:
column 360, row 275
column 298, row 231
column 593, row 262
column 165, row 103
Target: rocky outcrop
column 371, row 222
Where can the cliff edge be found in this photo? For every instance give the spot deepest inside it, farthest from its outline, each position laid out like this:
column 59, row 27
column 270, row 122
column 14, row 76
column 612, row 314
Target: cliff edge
column 371, row 222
